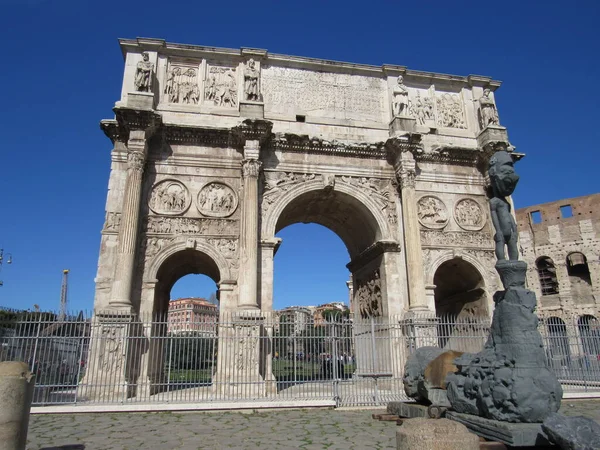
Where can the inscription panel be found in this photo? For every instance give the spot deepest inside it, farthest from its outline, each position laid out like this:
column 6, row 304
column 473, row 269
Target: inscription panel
column 327, row 95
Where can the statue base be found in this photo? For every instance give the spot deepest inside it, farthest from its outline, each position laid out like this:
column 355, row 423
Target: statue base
column 402, row 124
column 252, row 110
column 140, row 100
column 512, row 273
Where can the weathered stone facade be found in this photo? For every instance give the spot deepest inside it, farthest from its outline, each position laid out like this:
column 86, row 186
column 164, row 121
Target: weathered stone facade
column 216, row 150
column 560, row 242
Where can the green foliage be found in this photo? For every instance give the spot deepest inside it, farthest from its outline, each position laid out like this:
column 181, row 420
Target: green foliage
column 191, row 352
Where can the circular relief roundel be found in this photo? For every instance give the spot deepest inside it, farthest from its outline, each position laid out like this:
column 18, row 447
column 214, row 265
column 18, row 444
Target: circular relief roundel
column 432, row 212
column 217, row 199
column 169, row 197
column 469, row 215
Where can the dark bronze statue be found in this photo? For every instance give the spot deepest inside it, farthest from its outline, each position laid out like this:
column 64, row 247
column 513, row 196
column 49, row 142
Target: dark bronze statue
column 504, row 180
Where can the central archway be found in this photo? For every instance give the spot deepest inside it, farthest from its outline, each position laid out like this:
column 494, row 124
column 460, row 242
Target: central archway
column 363, row 226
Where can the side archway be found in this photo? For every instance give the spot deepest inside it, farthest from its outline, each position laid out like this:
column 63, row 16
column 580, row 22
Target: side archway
column 180, row 259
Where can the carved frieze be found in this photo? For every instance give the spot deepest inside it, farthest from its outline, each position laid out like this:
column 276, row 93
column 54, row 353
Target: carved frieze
column 438, row 238
column 277, row 183
column 217, row 199
column 367, row 295
column 185, row 225
column 169, row 197
column 432, row 212
column 221, row 87
column 182, row 85
column 469, row 214
column 113, row 221
column 380, row 190
column 486, row 258
column 228, row 247
column 450, row 111
column 155, row 245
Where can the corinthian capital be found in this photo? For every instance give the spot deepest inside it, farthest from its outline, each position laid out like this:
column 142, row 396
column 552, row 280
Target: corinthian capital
column 407, row 179
column 405, row 168
column 135, row 161
column 251, row 168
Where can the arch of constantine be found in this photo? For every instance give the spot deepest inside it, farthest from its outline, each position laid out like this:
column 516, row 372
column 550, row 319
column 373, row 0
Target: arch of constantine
column 216, row 150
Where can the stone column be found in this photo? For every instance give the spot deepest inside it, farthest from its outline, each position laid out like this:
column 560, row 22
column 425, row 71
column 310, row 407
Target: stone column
column 405, row 171
column 248, row 278
column 130, row 214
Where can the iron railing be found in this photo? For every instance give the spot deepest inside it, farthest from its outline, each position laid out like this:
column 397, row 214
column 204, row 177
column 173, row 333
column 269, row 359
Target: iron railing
column 113, row 358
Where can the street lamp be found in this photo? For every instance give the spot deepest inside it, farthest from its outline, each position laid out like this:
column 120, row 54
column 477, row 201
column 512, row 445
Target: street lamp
column 8, row 261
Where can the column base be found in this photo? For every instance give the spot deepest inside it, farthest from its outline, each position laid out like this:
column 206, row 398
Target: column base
column 420, row 325
column 238, row 376
column 105, row 376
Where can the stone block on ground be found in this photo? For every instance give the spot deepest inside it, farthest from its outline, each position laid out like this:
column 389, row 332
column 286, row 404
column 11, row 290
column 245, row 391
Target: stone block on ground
column 442, row 434
column 572, row 433
column 437, row 370
column 16, row 393
column 406, row 409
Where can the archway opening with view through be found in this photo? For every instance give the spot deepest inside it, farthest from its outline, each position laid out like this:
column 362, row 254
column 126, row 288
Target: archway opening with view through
column 188, row 320
column 460, row 304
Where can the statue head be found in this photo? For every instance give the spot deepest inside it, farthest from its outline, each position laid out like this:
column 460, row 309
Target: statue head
column 145, row 56
column 400, row 79
column 502, row 174
column 486, row 92
column 251, row 63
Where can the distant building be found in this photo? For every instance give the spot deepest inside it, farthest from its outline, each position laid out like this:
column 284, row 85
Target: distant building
column 560, row 241
column 337, row 307
column 295, row 319
column 192, row 315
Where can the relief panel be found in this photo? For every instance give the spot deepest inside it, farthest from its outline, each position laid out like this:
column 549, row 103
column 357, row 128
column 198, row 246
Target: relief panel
column 221, row 87
column 432, row 212
column 217, row 199
column 169, row 197
column 469, row 215
column 450, row 110
column 367, row 295
column 181, row 85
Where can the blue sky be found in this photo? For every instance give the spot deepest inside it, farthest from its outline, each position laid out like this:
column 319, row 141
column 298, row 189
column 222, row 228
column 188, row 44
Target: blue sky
column 61, row 75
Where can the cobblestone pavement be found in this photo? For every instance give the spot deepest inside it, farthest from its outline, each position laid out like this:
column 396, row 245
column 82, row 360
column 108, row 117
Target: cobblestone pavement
column 283, row 429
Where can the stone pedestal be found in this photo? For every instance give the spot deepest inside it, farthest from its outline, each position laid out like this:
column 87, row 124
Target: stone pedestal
column 401, row 124
column 140, row 100
column 421, row 328
column 442, row 434
column 106, row 373
column 252, row 110
column 16, row 393
column 492, row 135
column 238, row 373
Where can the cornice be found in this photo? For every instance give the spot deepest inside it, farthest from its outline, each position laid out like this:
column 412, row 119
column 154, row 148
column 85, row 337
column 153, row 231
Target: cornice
column 188, row 135
column 372, row 252
column 111, row 129
column 288, row 142
column 253, row 129
column 384, row 70
column 461, row 156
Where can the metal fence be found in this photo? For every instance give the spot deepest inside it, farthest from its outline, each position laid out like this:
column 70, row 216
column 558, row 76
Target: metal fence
column 116, row 359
